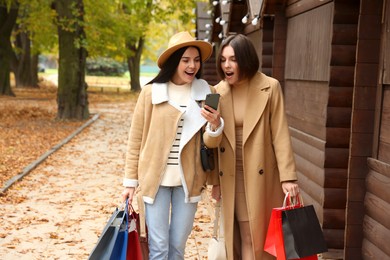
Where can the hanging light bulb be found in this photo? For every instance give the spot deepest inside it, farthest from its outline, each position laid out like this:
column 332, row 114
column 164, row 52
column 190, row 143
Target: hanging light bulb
column 215, row 3
column 218, row 19
column 255, row 20
column 220, row 35
column 244, row 19
column 208, row 26
column 222, row 22
column 225, row 2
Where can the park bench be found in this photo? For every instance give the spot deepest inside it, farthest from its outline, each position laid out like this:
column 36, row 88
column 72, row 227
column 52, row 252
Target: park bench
column 102, row 83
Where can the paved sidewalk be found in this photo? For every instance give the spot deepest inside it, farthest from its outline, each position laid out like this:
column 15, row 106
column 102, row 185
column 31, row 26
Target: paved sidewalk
column 60, row 208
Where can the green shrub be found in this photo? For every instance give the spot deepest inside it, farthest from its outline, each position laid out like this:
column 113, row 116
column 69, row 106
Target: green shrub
column 105, row 67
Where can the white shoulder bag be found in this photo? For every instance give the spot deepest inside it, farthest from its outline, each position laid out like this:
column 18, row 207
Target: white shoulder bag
column 217, row 248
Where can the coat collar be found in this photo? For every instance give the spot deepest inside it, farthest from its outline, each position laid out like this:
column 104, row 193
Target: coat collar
column 256, row 103
column 199, row 89
column 193, row 120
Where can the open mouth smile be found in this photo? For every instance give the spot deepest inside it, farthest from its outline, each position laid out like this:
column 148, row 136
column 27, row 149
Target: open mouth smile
column 229, row 74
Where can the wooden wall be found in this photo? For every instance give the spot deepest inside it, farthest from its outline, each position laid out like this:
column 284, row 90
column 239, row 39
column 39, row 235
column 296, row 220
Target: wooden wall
column 279, row 46
column 376, row 220
column 384, row 132
column 267, row 46
column 210, row 70
column 376, row 224
column 362, row 125
column 204, row 32
column 332, row 58
column 319, row 82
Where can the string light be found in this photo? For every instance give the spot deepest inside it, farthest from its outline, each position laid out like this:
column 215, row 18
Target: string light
column 244, row 19
column 255, row 20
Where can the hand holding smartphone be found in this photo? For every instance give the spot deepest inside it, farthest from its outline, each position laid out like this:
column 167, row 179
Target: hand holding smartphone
column 212, row 100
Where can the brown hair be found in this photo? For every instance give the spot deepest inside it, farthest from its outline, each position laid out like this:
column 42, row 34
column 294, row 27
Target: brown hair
column 245, row 54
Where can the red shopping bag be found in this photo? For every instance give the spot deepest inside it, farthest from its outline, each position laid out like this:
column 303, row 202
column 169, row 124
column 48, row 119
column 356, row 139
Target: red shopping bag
column 137, row 247
column 274, row 242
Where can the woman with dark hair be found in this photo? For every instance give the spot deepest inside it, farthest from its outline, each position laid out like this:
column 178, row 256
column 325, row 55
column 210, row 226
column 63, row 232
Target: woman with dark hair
column 256, row 161
column 163, row 162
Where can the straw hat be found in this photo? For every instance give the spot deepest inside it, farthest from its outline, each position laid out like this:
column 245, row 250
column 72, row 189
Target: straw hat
column 183, row 39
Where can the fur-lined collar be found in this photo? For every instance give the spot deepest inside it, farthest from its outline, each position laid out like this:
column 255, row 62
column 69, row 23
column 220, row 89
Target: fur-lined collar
column 199, row 89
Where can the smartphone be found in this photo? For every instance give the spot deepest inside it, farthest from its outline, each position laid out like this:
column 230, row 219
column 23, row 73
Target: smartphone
column 212, row 100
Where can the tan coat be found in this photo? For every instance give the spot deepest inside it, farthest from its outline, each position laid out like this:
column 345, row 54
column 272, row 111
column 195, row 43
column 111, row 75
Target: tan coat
column 267, row 157
column 152, row 133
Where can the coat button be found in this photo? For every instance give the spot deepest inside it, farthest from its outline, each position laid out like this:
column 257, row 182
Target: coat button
column 222, row 149
column 220, row 173
column 261, row 171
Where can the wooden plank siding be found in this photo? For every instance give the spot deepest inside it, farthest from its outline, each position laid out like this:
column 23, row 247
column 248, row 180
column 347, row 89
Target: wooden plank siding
column 384, row 136
column 376, row 224
column 319, row 74
column 267, row 46
column 362, row 124
column 332, row 58
column 203, row 32
column 376, row 221
column 386, row 44
column 210, row 70
column 279, row 45
column 308, row 45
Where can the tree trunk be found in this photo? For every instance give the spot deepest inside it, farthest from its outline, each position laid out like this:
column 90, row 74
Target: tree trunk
column 7, row 22
column 72, row 90
column 34, row 69
column 134, row 63
column 22, row 63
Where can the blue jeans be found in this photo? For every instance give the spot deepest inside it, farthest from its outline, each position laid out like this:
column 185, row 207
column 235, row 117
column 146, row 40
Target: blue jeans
column 167, row 239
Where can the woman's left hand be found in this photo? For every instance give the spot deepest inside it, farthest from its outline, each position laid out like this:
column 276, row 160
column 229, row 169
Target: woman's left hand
column 291, row 187
column 212, row 116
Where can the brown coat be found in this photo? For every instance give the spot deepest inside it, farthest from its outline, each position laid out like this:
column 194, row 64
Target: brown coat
column 267, row 157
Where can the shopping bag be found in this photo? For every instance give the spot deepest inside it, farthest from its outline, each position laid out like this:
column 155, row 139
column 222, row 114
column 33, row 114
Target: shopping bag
column 120, row 247
column 112, row 242
column 217, row 247
column 275, row 243
column 302, row 232
column 137, row 246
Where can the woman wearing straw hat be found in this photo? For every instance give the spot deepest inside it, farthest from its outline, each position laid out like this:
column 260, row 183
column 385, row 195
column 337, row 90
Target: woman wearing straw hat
column 163, row 156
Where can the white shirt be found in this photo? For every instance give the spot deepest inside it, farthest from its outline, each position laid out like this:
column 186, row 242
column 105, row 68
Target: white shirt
column 178, row 95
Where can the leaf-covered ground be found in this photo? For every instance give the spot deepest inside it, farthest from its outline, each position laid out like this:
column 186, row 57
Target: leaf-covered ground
column 28, row 125
column 60, row 208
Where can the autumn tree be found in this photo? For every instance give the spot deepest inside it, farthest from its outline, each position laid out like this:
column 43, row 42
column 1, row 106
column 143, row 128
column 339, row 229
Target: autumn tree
column 33, row 33
column 23, row 63
column 145, row 14
column 133, row 30
column 30, row 22
column 72, row 96
column 8, row 15
column 127, row 30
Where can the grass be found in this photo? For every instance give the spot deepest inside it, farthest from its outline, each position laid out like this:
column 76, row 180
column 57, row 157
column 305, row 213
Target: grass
column 125, row 75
